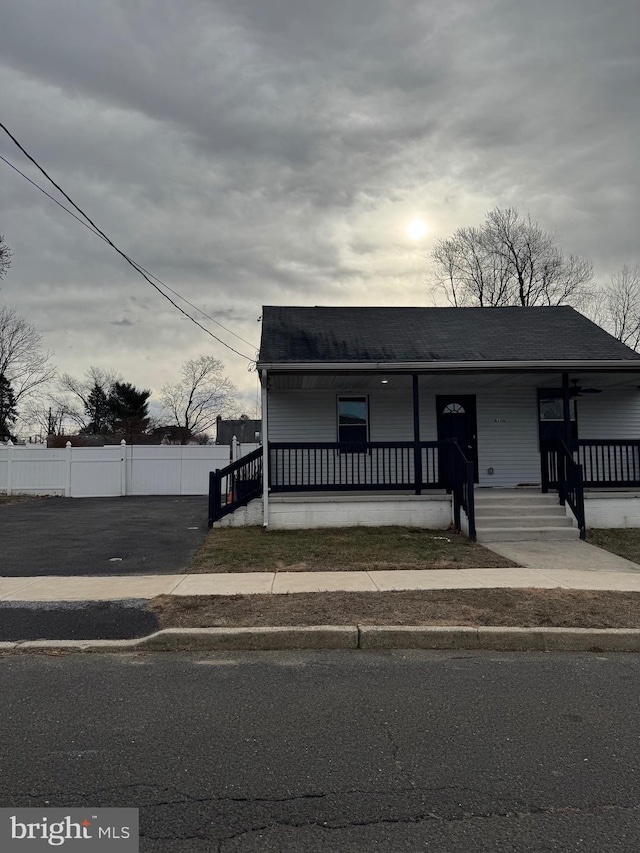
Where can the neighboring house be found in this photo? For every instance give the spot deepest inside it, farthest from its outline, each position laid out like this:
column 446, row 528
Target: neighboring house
column 161, row 435
column 245, row 430
column 380, row 415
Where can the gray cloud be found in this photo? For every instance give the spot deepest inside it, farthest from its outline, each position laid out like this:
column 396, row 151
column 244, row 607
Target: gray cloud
column 269, row 151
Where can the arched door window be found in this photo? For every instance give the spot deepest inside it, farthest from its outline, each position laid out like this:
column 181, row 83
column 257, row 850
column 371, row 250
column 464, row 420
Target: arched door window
column 453, row 409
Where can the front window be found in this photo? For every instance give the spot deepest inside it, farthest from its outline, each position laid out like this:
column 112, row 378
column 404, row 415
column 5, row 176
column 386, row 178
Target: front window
column 353, row 420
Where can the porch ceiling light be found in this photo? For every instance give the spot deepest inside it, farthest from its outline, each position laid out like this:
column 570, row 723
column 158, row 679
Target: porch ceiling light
column 384, row 381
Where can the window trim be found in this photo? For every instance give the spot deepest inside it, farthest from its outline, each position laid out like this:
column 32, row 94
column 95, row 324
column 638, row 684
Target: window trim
column 554, row 394
column 367, row 401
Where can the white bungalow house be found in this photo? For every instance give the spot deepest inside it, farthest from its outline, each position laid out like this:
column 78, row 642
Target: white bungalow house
column 511, row 420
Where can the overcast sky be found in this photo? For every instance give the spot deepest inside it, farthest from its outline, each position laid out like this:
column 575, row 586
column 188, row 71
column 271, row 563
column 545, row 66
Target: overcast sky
column 254, row 152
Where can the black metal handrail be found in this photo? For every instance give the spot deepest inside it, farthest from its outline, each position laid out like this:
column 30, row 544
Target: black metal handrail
column 235, row 485
column 570, row 485
column 606, row 463
column 462, row 487
column 324, row 466
column 327, row 466
column 609, row 462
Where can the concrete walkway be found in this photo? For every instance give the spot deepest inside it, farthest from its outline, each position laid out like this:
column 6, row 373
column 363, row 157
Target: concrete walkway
column 545, row 565
column 562, row 555
column 39, row 589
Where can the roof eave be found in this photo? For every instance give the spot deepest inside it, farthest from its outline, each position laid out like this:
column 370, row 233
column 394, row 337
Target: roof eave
column 427, row 366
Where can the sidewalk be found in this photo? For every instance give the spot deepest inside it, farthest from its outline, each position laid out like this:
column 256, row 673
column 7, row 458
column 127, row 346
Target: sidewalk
column 148, row 586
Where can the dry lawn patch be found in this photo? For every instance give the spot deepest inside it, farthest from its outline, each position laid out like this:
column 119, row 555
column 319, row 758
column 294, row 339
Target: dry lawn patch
column 625, row 541
column 252, row 549
column 5, row 500
column 526, row 608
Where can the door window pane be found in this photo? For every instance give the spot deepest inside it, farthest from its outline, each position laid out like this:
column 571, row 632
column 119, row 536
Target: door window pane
column 552, row 409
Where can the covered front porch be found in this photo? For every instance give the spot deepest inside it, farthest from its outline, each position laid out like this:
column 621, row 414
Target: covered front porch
column 393, row 434
column 386, row 430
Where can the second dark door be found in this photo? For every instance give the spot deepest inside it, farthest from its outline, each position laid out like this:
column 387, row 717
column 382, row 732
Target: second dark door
column 456, row 421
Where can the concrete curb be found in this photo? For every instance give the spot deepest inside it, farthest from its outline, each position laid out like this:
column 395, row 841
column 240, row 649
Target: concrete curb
column 352, row 637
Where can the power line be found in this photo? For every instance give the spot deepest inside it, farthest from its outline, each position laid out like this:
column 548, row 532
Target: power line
column 132, row 263
column 53, row 198
column 140, row 267
column 195, row 307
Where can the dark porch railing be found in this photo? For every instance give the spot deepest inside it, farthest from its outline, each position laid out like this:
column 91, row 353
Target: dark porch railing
column 462, row 487
column 375, row 465
column 337, row 466
column 606, row 463
column 561, row 471
column 570, row 486
column 235, row 485
column 609, row 462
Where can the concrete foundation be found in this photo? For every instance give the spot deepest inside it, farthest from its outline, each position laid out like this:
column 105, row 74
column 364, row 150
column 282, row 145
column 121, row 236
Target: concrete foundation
column 296, row 512
column 611, row 509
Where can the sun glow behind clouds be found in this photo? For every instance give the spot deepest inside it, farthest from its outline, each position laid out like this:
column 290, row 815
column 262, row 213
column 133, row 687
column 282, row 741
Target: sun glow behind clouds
column 416, row 229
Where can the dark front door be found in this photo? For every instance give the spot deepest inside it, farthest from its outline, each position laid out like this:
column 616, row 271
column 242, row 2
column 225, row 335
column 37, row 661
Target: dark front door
column 456, row 419
column 552, row 432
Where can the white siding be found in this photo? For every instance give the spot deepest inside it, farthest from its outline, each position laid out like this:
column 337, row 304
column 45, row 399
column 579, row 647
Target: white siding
column 612, row 414
column 508, row 437
column 507, row 413
column 507, row 423
column 312, row 415
column 609, row 415
column 302, row 416
column 391, row 415
column 507, row 434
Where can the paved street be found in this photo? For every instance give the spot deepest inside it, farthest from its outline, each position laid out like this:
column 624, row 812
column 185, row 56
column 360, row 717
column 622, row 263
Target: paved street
column 310, row 751
column 101, row 536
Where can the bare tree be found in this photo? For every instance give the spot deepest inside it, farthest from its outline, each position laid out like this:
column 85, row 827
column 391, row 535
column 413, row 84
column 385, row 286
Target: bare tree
column 468, row 272
column 45, row 416
column 621, row 303
column 5, row 257
column 509, row 260
column 22, row 360
column 79, row 395
column 203, row 393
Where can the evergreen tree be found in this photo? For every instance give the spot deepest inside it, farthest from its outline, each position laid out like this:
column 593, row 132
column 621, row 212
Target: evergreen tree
column 128, row 409
column 8, row 411
column 98, row 411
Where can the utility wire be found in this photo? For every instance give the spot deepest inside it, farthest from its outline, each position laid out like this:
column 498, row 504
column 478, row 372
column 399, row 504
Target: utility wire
column 53, row 198
column 103, row 236
column 97, row 234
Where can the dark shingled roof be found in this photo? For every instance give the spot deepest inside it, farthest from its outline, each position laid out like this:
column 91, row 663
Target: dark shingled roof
column 397, row 335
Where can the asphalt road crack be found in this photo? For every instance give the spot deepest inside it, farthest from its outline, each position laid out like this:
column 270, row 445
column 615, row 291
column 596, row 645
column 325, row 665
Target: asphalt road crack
column 429, row 816
column 169, row 813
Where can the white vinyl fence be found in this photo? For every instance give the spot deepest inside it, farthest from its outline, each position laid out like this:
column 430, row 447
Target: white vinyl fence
column 82, row 472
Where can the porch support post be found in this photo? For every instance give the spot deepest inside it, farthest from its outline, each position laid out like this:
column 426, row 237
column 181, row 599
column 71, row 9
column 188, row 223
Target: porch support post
column 566, row 409
column 561, row 464
column 265, row 453
column 417, row 454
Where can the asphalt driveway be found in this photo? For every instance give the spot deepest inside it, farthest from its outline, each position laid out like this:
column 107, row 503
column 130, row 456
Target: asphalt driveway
column 100, row 536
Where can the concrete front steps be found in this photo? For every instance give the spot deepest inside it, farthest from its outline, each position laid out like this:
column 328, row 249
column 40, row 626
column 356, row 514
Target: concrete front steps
column 521, row 515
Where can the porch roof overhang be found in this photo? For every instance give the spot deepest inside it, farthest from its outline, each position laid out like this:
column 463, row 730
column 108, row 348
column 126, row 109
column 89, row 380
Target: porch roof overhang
column 537, row 365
